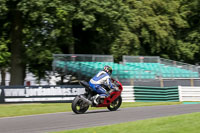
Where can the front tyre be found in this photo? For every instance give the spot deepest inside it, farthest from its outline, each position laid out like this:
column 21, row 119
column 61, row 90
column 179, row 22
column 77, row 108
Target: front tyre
column 115, row 104
column 78, row 106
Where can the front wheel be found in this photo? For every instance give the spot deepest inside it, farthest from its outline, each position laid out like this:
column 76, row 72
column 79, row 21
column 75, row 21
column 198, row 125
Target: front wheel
column 78, row 106
column 115, row 104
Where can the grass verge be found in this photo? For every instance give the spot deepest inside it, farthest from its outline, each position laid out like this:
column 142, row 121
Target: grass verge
column 9, row 110
column 187, row 123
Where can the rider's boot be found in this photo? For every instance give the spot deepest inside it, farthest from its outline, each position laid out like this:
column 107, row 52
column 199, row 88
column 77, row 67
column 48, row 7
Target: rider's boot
column 96, row 99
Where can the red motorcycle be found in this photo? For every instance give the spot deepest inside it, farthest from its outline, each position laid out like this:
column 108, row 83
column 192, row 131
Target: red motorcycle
column 81, row 103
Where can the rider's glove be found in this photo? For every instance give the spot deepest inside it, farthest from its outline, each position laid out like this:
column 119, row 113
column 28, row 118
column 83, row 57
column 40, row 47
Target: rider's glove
column 116, row 83
column 116, row 89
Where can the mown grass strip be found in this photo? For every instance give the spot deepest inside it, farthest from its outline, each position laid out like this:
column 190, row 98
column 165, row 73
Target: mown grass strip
column 9, row 110
column 187, row 123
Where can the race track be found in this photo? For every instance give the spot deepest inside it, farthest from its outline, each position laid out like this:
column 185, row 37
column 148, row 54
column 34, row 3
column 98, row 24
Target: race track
column 69, row 120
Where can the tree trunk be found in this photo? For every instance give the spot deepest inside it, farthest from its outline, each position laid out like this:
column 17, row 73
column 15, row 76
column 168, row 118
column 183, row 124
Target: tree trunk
column 3, row 77
column 71, row 49
column 17, row 50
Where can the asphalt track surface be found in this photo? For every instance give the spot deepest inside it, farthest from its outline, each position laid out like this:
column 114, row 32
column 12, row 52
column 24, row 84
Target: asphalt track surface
column 68, row 120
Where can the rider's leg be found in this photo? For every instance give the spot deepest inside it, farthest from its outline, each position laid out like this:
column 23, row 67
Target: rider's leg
column 100, row 90
column 95, row 98
column 102, row 94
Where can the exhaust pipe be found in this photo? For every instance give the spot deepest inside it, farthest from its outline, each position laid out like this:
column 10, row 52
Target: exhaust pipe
column 85, row 100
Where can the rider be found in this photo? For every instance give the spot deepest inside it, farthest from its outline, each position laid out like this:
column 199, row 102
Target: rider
column 101, row 78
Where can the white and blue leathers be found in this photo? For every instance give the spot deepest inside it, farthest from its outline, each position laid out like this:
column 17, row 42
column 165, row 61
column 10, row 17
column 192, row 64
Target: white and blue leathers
column 101, row 78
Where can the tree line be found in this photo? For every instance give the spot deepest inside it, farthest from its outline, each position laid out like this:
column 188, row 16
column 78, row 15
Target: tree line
column 31, row 31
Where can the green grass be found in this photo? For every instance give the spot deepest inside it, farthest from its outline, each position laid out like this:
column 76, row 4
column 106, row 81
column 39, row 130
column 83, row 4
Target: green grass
column 139, row 104
column 9, row 110
column 187, row 123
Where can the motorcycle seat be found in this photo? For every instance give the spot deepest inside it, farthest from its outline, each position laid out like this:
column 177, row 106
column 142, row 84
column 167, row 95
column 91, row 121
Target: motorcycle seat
column 85, row 84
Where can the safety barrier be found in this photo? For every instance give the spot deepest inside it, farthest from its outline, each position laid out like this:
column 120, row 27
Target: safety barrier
column 67, row 94
column 128, row 94
column 50, row 94
column 14, row 94
column 189, row 93
column 147, row 94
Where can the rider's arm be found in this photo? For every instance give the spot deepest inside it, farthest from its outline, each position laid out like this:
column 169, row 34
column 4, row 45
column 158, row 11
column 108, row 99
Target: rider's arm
column 110, row 84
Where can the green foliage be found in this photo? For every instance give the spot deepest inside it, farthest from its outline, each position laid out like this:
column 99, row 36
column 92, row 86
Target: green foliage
column 40, row 35
column 191, row 12
column 167, row 28
column 4, row 53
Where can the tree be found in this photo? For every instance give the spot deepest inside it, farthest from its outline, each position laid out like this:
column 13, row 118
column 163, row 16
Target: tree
column 4, row 42
column 96, row 24
column 17, row 48
column 155, row 28
column 191, row 35
column 39, row 35
column 29, row 24
column 31, row 31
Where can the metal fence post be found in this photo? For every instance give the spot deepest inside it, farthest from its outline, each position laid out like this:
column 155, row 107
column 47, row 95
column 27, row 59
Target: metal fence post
column 192, row 82
column 2, row 95
column 161, row 82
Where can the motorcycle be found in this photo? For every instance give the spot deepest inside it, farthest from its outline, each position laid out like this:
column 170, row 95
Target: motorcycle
column 81, row 103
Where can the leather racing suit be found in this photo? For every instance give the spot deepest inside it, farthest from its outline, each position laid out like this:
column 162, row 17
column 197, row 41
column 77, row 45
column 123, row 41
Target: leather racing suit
column 101, row 78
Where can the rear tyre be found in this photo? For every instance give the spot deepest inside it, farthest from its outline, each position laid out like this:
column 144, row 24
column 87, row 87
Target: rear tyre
column 115, row 104
column 78, row 106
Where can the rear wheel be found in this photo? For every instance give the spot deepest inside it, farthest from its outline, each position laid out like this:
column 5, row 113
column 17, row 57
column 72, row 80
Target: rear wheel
column 115, row 104
column 78, row 106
